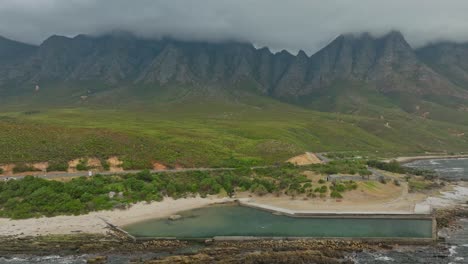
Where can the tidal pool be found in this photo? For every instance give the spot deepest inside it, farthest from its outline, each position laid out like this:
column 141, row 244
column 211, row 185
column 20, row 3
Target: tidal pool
column 232, row 220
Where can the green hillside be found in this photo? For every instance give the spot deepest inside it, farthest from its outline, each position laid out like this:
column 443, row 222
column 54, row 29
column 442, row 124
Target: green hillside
column 192, row 127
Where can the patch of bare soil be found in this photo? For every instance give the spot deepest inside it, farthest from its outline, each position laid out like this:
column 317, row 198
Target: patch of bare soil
column 115, row 165
column 95, row 164
column 7, row 169
column 305, row 159
column 159, row 166
column 369, row 196
column 42, row 166
column 72, row 165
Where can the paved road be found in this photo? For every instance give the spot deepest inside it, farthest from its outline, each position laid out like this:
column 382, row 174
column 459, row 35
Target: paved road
column 55, row 175
column 322, row 157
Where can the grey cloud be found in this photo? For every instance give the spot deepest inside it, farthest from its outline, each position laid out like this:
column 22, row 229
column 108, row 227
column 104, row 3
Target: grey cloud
column 278, row 24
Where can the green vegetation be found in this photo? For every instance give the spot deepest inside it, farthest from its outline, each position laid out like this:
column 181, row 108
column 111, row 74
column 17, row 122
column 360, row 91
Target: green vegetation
column 32, row 197
column 342, row 166
column 1, row 171
column 416, row 185
column 57, row 166
column 336, row 194
column 180, row 127
column 339, row 187
column 23, row 167
column 82, row 165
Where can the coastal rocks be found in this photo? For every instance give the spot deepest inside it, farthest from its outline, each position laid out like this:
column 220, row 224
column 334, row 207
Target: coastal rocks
column 233, row 254
column 82, row 244
column 447, row 218
column 174, row 217
column 196, row 259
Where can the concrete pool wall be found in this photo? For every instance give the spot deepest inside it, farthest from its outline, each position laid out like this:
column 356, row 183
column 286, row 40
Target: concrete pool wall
column 317, row 215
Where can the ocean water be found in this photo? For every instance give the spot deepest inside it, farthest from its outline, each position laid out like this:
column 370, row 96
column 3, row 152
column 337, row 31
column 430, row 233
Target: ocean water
column 450, row 169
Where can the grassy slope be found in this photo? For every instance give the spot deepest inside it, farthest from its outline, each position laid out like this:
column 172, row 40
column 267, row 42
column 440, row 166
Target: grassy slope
column 183, row 127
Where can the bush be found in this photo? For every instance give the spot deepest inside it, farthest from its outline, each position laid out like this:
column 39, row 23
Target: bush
column 1, row 171
column 340, row 188
column 260, row 190
column 351, row 185
column 321, row 181
column 392, row 166
column 335, row 194
column 105, row 165
column 323, row 189
column 23, row 167
column 396, row 182
column 82, row 165
column 382, row 180
column 57, row 166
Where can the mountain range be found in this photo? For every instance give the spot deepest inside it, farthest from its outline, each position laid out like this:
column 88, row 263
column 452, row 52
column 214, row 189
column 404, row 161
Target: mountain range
column 388, row 64
column 223, row 103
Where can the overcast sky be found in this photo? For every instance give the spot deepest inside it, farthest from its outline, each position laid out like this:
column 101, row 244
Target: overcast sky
column 278, row 24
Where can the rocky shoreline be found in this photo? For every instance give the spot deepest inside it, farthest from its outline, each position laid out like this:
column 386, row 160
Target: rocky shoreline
column 99, row 247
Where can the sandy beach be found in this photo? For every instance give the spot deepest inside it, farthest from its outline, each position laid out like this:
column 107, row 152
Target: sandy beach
column 356, row 201
column 93, row 223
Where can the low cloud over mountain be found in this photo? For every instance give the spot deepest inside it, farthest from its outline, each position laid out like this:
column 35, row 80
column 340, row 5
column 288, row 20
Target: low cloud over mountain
column 293, row 25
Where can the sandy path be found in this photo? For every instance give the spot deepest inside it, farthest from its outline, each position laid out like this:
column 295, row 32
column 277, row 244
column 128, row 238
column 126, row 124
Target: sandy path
column 91, row 223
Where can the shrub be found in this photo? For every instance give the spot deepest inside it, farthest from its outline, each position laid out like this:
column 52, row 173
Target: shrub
column 351, row 185
column 323, row 189
column 321, row 181
column 1, row 171
column 82, row 165
column 396, row 182
column 340, row 188
column 335, row 194
column 260, row 190
column 382, row 180
column 23, row 167
column 105, row 165
column 57, row 166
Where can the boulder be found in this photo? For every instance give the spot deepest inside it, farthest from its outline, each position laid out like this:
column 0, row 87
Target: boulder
column 174, row 217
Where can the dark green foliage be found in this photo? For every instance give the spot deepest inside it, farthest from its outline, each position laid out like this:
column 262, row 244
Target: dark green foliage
column 341, row 166
column 336, row 194
column 57, row 166
column 392, row 166
column 1, row 171
column 382, row 180
column 323, row 189
column 23, row 167
column 82, row 165
column 31, row 197
column 105, row 164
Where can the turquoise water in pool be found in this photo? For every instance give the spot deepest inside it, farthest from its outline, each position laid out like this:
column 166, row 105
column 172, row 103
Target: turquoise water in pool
column 231, row 220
